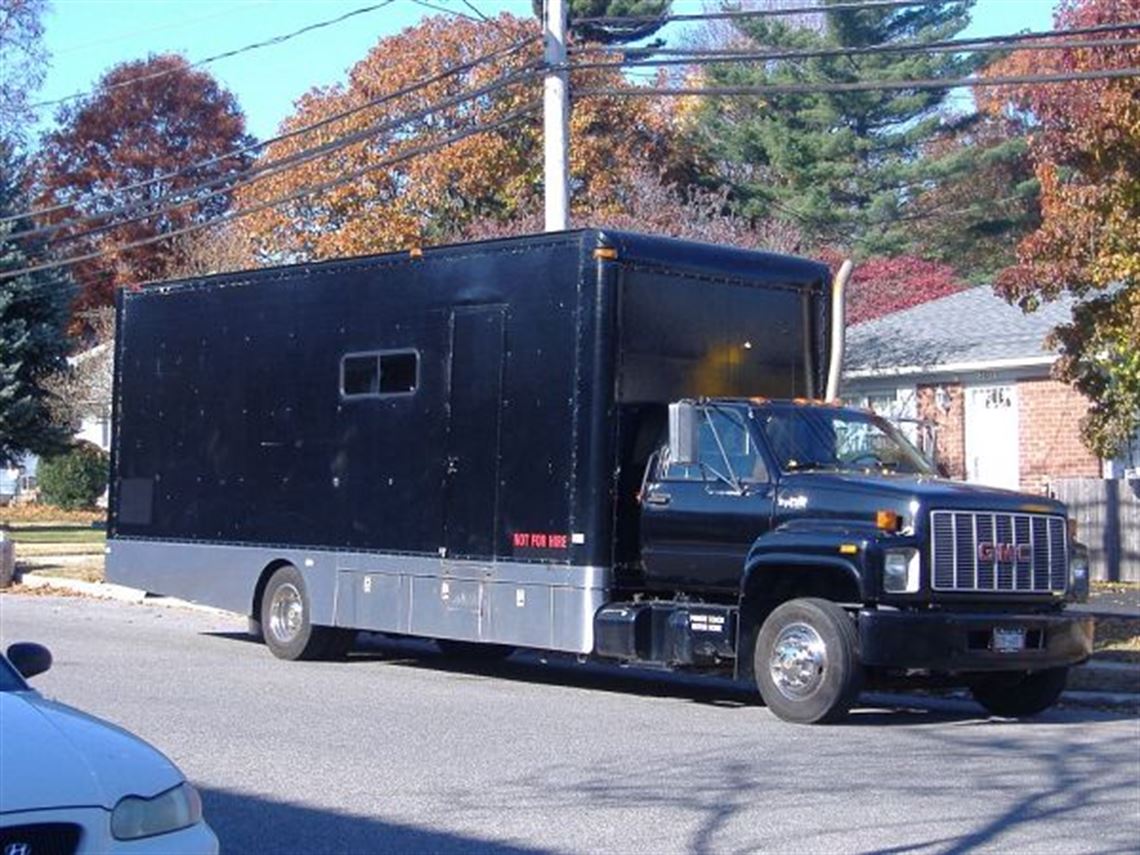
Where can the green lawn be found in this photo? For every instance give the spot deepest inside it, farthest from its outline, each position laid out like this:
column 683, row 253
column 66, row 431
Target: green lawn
column 57, row 534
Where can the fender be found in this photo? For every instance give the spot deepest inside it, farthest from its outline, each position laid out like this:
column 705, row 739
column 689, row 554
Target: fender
column 809, row 543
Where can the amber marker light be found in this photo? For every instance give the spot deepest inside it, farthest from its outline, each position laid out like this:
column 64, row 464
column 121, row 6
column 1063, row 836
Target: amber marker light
column 416, row 252
column 888, row 520
column 606, row 253
column 848, row 548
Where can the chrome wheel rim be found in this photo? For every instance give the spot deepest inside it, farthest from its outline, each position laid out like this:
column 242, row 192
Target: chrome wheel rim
column 798, row 661
column 286, row 613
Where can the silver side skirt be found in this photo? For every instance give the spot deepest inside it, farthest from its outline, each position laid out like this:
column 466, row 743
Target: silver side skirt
column 547, row 606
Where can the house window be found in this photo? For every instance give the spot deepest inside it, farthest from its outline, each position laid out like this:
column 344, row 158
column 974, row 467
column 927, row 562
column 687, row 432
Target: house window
column 379, row 374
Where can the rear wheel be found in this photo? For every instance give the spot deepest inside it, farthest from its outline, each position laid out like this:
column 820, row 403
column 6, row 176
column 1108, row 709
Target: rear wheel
column 806, row 661
column 1020, row 693
column 286, row 622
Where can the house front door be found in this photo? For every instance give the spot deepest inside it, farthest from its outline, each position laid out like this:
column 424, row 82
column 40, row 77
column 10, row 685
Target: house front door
column 992, row 436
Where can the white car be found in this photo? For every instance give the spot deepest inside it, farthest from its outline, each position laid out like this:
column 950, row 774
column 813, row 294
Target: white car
column 71, row 783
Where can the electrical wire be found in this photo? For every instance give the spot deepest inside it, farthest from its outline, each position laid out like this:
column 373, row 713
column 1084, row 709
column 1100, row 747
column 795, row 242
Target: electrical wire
column 276, row 40
column 1012, row 38
column 858, row 86
column 301, row 193
column 840, row 52
column 499, row 53
column 225, row 184
column 737, row 14
column 445, row 10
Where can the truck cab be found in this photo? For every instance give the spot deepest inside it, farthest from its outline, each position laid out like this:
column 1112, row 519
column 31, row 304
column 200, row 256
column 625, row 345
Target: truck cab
column 830, row 553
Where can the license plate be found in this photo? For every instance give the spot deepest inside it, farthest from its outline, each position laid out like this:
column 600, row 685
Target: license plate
column 1009, row 640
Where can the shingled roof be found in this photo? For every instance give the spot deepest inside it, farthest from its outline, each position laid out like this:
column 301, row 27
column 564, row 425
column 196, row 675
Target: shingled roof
column 972, row 328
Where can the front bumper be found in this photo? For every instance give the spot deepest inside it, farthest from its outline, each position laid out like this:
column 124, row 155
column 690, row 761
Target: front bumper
column 94, row 834
column 953, row 642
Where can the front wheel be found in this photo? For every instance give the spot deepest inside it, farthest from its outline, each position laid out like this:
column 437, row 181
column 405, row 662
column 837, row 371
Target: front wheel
column 286, row 621
column 1012, row 695
column 806, row 661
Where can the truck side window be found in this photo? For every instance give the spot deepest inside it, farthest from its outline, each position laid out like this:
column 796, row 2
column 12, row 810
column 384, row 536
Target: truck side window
column 379, row 374
column 739, row 455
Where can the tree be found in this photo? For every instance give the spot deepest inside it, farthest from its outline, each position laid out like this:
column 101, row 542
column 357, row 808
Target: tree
column 33, row 312
column 657, row 207
column 493, row 173
column 150, row 123
column 23, row 61
column 842, row 165
column 982, row 203
column 651, row 13
column 76, row 478
column 880, row 286
column 1085, row 148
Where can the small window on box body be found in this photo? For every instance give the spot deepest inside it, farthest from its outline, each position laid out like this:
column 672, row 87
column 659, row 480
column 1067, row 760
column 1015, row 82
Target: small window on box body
column 398, row 373
column 379, row 374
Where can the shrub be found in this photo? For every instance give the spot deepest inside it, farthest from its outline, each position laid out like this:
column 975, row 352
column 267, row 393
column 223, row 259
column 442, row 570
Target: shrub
column 76, row 478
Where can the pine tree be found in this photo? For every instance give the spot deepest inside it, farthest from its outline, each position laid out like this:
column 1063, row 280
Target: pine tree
column 841, row 165
column 33, row 342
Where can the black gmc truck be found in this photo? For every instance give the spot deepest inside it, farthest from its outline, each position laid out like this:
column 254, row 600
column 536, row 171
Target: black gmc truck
column 594, row 442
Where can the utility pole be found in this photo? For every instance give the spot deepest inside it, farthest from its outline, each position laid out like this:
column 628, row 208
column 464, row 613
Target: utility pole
column 556, row 117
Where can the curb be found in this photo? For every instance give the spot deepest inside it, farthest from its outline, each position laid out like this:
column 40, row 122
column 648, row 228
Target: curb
column 109, row 591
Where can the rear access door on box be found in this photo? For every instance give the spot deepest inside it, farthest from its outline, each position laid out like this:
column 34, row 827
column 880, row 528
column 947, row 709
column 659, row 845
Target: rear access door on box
column 471, row 488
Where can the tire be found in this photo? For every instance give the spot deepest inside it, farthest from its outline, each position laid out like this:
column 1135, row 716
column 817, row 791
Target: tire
column 1019, row 693
column 286, row 626
column 806, row 662
column 473, row 651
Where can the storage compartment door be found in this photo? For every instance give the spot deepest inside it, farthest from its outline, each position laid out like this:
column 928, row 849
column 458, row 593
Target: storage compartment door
column 472, row 479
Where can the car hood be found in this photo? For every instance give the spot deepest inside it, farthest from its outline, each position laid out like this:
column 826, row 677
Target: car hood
column 56, row 756
column 932, row 492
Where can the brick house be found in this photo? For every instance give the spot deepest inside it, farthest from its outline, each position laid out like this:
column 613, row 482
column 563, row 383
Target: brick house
column 968, row 377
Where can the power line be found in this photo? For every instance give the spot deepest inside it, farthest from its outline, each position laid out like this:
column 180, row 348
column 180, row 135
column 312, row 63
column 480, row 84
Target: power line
column 276, row 40
column 858, row 86
column 722, row 59
column 225, row 184
column 755, row 13
column 500, row 53
column 415, row 151
column 446, row 11
column 1010, row 37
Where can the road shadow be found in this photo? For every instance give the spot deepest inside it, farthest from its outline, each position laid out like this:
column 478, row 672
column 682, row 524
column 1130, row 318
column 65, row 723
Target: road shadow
column 248, row 823
column 559, row 669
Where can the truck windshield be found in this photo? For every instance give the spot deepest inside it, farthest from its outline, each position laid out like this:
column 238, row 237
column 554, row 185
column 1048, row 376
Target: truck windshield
column 811, row 438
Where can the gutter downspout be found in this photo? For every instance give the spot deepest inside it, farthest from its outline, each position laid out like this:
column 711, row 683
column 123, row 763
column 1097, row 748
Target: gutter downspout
column 838, row 328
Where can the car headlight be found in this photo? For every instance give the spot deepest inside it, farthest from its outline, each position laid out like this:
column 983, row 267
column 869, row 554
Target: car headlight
column 1079, row 576
column 900, row 571
column 136, row 817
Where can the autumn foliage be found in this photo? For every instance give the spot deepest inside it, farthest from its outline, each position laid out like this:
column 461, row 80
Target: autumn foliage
column 151, row 119
column 1086, row 153
column 404, row 195
column 880, row 286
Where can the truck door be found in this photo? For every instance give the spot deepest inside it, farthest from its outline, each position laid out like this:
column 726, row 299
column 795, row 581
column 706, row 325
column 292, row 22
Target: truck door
column 698, row 520
column 471, row 481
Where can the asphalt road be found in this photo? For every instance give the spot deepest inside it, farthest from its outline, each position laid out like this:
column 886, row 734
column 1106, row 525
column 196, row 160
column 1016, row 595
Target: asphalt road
column 399, row 750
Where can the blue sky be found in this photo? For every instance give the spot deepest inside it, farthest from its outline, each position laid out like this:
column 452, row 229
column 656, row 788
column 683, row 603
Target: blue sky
column 86, row 37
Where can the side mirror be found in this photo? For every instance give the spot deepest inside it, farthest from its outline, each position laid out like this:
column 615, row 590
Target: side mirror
column 684, row 430
column 29, row 659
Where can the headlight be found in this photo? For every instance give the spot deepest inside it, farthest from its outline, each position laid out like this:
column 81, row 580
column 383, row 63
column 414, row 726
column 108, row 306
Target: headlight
column 1079, row 576
column 900, row 571
column 136, row 817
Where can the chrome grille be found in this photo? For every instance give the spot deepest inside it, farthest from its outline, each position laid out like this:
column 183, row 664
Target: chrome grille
column 1004, row 552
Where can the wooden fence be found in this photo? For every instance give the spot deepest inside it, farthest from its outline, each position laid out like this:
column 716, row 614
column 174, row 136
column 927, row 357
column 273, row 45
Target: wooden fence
column 1108, row 523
